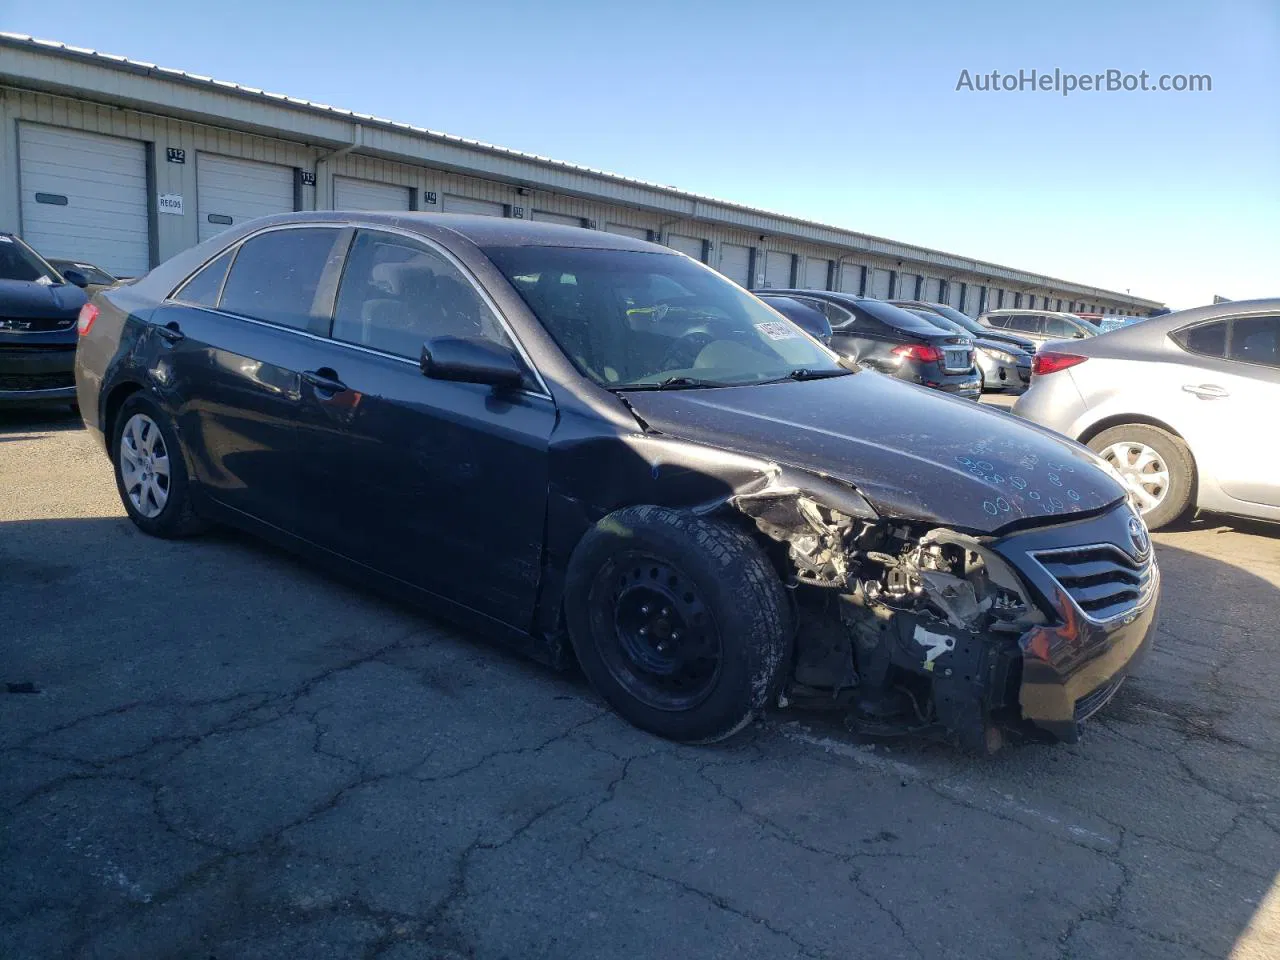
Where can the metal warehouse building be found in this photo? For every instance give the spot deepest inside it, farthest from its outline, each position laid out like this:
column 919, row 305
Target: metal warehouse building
column 124, row 164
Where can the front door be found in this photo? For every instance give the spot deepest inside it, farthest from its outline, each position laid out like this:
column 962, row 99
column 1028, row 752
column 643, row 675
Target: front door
column 442, row 485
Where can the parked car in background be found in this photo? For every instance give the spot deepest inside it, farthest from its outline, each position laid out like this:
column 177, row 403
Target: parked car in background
column 1039, row 325
column 1183, row 406
column 971, row 325
column 38, row 310
column 97, row 278
column 893, row 341
column 588, row 444
column 1001, row 365
column 1113, row 322
column 808, row 318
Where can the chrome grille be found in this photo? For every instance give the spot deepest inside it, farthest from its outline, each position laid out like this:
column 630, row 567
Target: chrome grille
column 34, row 325
column 1101, row 579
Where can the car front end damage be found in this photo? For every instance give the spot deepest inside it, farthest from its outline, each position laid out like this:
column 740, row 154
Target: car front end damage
column 914, row 627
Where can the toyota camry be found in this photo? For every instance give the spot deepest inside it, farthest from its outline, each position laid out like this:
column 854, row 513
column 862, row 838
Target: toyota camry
column 597, row 448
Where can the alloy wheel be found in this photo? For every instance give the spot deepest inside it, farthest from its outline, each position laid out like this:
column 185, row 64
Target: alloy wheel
column 1143, row 469
column 144, row 465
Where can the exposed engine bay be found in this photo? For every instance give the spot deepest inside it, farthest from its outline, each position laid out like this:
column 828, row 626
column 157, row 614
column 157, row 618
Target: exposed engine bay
column 909, row 628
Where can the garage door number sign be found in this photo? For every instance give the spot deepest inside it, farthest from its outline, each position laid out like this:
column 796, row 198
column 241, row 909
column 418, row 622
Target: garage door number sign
column 171, row 203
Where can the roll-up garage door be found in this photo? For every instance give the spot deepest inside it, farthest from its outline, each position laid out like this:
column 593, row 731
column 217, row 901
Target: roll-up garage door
column 485, row 208
column 777, row 269
column 349, row 194
column 850, row 278
column 689, row 246
column 931, row 291
column 622, row 230
column 548, row 217
column 735, row 263
column 815, row 273
column 230, row 191
column 906, row 286
column 973, row 306
column 84, row 197
column 880, row 284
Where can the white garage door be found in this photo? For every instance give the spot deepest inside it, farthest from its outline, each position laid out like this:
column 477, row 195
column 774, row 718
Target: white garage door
column 880, row 284
column 622, row 230
column 549, row 217
column 777, row 269
column 689, row 246
column 84, row 197
column 231, row 191
column 485, row 208
column 930, row 292
column 735, row 263
column 850, row 278
column 907, row 286
column 815, row 273
column 349, row 194
column 974, row 305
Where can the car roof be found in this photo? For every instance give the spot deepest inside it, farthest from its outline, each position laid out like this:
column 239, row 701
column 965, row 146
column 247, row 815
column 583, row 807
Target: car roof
column 481, row 230
column 1159, row 326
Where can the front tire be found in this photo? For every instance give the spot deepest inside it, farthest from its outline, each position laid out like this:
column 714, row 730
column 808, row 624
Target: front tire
column 1157, row 466
column 678, row 621
column 151, row 472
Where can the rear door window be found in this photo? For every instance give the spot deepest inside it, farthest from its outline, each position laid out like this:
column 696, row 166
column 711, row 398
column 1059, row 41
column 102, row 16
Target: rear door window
column 1207, row 339
column 998, row 320
column 1026, row 323
column 1256, row 340
column 276, row 277
column 1058, row 327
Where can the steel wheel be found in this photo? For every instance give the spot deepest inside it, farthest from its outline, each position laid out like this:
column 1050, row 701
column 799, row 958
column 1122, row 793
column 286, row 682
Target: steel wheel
column 1143, row 469
column 144, row 465
column 666, row 646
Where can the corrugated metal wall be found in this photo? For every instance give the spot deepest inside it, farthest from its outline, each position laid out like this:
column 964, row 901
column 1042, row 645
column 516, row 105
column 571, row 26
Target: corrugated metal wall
column 316, row 167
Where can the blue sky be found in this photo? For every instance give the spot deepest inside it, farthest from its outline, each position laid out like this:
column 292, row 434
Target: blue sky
column 841, row 112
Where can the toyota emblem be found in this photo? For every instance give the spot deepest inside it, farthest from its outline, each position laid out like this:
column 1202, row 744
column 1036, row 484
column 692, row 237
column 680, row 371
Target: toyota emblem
column 1138, row 537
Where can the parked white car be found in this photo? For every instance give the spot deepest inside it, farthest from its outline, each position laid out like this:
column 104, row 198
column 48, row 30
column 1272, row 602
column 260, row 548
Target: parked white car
column 1184, row 406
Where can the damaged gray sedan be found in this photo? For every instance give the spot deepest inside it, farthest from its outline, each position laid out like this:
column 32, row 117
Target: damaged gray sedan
column 596, row 448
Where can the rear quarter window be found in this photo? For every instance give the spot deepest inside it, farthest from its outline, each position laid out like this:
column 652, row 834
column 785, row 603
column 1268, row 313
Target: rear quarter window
column 1205, row 339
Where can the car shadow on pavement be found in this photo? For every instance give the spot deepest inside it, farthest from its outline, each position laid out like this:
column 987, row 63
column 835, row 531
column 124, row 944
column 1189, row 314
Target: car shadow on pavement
column 29, row 423
column 230, row 753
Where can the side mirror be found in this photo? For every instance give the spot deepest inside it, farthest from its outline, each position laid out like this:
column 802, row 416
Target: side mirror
column 471, row 360
column 1077, row 335
column 76, row 277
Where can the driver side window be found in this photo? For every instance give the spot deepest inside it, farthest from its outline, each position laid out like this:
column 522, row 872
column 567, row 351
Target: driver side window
column 397, row 293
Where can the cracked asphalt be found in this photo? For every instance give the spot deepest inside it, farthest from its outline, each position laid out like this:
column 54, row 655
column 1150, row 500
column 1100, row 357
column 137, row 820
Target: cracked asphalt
column 228, row 755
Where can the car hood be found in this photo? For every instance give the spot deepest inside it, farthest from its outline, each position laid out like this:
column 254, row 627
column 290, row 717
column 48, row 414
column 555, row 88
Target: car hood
column 911, row 452
column 28, row 300
column 1021, row 342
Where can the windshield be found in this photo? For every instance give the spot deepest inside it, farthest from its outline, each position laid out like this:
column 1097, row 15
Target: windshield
column 20, row 262
column 632, row 319
column 91, row 273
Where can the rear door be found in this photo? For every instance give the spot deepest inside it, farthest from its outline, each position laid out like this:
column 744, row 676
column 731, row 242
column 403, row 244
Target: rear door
column 233, row 344
column 1229, row 393
column 441, row 485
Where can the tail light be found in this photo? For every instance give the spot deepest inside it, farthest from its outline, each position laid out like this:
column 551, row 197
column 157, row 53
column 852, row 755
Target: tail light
column 88, row 314
column 1047, row 361
column 918, row 351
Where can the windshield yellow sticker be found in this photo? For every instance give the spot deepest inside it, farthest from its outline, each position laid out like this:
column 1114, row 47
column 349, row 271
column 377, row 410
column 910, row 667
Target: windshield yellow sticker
column 777, row 330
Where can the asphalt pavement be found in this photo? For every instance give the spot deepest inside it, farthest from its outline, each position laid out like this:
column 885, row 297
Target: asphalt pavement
column 208, row 749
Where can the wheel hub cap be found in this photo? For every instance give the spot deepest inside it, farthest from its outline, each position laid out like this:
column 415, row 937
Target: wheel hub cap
column 144, row 465
column 1144, row 472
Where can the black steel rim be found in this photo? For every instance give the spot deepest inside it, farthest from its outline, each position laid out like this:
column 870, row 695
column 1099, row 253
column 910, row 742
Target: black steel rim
column 655, row 634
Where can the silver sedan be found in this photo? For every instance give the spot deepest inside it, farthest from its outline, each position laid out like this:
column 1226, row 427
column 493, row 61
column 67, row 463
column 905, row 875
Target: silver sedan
column 1184, row 407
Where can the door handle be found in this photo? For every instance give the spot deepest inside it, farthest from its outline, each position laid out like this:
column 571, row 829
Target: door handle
column 324, row 380
column 1206, row 391
column 171, row 332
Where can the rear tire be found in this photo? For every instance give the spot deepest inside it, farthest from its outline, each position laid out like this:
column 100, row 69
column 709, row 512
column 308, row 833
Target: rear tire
column 151, row 472
column 1133, row 444
column 678, row 621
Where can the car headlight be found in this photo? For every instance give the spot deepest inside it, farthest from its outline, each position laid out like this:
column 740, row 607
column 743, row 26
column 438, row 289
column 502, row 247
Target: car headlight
column 1000, row 355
